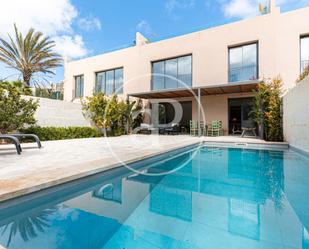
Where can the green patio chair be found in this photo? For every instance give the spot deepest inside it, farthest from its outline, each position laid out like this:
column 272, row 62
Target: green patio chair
column 215, row 129
column 203, row 128
column 193, row 128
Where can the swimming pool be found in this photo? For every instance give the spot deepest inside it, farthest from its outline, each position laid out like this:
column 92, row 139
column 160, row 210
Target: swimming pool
column 197, row 197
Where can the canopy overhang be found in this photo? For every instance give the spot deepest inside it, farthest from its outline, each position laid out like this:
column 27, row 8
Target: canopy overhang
column 239, row 87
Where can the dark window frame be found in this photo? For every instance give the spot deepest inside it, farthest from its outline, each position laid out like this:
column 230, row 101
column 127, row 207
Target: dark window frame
column 257, row 58
column 167, row 59
column 81, row 76
column 105, row 71
column 300, row 51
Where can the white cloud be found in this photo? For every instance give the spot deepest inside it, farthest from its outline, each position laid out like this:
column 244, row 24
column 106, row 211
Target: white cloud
column 49, row 16
column 171, row 5
column 52, row 17
column 70, row 46
column 89, row 23
column 240, row 9
column 144, row 27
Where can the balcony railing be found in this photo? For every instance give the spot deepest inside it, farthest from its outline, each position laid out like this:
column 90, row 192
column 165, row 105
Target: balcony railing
column 163, row 82
column 244, row 73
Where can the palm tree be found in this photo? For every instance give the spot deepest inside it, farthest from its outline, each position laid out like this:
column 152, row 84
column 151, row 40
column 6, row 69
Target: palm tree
column 30, row 54
column 28, row 224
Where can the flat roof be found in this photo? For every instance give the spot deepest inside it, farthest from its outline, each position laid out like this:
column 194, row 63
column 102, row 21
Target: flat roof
column 237, row 87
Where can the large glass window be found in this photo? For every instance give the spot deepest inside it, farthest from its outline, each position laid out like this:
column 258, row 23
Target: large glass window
column 119, row 81
column 79, row 86
column 243, row 63
column 100, row 82
column 109, row 90
column 158, row 75
column 304, row 51
column 110, row 81
column 184, row 69
column 172, row 73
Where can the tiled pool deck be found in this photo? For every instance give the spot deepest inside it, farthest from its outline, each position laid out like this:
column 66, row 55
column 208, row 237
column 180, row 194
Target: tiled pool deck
column 61, row 161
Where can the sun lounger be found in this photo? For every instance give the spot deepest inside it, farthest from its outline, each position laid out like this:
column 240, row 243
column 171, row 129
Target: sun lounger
column 31, row 136
column 174, row 129
column 147, row 129
column 14, row 140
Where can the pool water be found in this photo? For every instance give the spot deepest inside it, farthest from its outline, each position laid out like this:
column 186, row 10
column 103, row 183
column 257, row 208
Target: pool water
column 211, row 198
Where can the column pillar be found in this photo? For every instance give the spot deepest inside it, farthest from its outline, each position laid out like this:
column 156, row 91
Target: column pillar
column 199, row 111
column 127, row 129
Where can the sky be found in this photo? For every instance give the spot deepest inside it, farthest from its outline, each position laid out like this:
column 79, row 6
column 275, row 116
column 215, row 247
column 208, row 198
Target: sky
column 83, row 28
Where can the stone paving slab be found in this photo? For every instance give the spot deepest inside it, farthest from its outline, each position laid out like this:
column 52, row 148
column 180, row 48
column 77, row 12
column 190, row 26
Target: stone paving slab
column 62, row 161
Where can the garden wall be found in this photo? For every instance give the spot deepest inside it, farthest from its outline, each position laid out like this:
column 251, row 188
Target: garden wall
column 296, row 116
column 59, row 113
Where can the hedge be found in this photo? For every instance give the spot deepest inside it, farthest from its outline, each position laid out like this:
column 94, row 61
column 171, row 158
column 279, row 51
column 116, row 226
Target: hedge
column 61, row 133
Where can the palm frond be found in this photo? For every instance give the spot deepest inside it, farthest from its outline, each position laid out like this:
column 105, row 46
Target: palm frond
column 30, row 54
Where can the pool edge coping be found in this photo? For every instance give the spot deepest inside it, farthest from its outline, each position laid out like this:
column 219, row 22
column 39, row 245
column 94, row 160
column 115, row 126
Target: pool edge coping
column 78, row 175
column 52, row 183
column 300, row 151
column 249, row 145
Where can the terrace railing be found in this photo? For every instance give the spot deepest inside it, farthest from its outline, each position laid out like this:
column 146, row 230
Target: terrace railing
column 243, row 73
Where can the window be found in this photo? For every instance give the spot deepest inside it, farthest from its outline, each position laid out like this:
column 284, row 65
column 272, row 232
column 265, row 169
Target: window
column 79, row 86
column 243, row 63
column 119, row 80
column 109, row 87
column 172, row 73
column 157, row 75
column 100, row 82
column 110, row 81
column 304, row 53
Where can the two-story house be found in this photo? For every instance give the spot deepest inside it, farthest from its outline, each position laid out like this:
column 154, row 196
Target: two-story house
column 211, row 72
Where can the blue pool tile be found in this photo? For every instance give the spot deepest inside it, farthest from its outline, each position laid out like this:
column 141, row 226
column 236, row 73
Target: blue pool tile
column 210, row 210
column 159, row 240
column 219, row 199
column 125, row 238
column 201, row 236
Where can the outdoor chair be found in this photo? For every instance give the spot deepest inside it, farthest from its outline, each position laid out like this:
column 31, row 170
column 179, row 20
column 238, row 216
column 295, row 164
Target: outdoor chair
column 203, row 128
column 193, row 128
column 248, row 127
column 14, row 140
column 246, row 130
column 145, row 128
column 215, row 129
column 173, row 130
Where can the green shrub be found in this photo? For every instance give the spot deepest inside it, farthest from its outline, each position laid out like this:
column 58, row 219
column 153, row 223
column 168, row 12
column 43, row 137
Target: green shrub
column 303, row 75
column 15, row 111
column 61, row 133
column 48, row 93
column 267, row 111
column 274, row 114
column 115, row 116
column 18, row 85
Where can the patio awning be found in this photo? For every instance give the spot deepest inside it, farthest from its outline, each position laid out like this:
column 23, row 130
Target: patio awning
column 239, row 87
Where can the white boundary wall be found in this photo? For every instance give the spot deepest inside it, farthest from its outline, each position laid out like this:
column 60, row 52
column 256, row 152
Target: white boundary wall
column 59, row 113
column 296, row 116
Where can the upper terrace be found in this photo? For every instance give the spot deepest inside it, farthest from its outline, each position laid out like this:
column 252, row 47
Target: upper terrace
column 210, row 51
